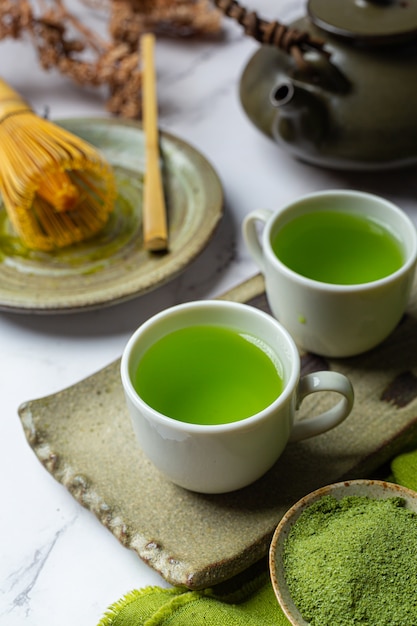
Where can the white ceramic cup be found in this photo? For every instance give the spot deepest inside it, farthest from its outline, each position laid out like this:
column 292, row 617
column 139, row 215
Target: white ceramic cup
column 225, row 457
column 330, row 319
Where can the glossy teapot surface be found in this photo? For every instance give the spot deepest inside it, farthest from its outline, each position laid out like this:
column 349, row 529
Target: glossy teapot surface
column 352, row 105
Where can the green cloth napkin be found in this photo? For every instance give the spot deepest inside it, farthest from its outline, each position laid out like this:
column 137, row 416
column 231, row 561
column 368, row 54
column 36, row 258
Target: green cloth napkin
column 246, row 600
column 404, row 469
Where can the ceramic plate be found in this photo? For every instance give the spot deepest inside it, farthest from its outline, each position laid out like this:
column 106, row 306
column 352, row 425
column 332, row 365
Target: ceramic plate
column 113, row 266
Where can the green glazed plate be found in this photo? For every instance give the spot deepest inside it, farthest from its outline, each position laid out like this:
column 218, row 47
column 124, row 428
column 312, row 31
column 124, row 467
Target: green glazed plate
column 113, row 266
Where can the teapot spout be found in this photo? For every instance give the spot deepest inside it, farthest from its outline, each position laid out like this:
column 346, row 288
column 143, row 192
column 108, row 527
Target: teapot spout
column 301, row 118
column 283, row 94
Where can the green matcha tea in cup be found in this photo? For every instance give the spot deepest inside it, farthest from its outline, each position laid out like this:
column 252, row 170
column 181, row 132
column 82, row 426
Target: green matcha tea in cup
column 213, row 390
column 338, row 268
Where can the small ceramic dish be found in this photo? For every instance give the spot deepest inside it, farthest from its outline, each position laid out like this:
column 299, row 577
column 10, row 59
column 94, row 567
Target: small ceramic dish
column 370, row 488
column 113, row 266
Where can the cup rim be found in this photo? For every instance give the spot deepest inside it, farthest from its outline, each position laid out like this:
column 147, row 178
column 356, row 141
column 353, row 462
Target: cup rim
column 410, row 261
column 165, row 420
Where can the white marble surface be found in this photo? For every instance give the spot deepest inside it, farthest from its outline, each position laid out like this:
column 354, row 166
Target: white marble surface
column 58, row 565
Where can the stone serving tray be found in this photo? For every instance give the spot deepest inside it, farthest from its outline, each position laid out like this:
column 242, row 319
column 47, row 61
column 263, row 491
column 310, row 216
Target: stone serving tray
column 83, row 436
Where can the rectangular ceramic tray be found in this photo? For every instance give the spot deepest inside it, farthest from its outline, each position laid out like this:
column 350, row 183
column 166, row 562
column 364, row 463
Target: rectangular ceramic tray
column 83, row 436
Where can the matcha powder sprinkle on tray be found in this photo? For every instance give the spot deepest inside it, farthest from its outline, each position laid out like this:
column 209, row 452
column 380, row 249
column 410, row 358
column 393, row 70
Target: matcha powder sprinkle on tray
column 354, row 561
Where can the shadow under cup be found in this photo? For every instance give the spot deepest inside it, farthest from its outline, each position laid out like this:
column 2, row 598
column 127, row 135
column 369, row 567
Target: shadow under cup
column 216, row 458
column 327, row 318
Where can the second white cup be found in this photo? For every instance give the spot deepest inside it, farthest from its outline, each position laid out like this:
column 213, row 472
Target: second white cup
column 328, row 318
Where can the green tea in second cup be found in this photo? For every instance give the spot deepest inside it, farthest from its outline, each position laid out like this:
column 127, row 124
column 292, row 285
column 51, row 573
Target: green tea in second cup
column 338, row 248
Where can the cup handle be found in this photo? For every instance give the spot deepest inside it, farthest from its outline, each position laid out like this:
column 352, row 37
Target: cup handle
column 323, row 381
column 251, row 236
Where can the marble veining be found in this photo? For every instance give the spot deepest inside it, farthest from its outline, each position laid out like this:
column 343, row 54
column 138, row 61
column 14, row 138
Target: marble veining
column 21, row 584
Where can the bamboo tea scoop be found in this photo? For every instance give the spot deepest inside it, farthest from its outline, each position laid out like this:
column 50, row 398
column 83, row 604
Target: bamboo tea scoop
column 155, row 236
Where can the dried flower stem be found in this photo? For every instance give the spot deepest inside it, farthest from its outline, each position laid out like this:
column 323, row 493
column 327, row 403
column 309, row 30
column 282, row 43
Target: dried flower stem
column 274, row 33
column 63, row 42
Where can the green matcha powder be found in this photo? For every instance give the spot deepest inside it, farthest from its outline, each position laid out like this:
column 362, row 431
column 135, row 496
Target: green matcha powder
column 354, row 561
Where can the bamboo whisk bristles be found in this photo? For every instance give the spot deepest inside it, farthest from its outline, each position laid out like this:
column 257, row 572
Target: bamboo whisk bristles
column 57, row 189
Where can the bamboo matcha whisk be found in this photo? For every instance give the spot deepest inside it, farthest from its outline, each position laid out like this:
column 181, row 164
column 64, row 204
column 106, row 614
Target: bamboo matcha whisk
column 57, row 189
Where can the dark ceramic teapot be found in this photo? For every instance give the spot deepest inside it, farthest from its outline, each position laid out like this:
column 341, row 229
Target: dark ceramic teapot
column 337, row 88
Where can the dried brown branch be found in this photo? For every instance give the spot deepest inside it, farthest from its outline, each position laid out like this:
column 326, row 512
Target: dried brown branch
column 274, row 33
column 63, row 42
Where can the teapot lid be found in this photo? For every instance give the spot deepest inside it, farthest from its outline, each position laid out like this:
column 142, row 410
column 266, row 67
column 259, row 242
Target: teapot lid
column 366, row 21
